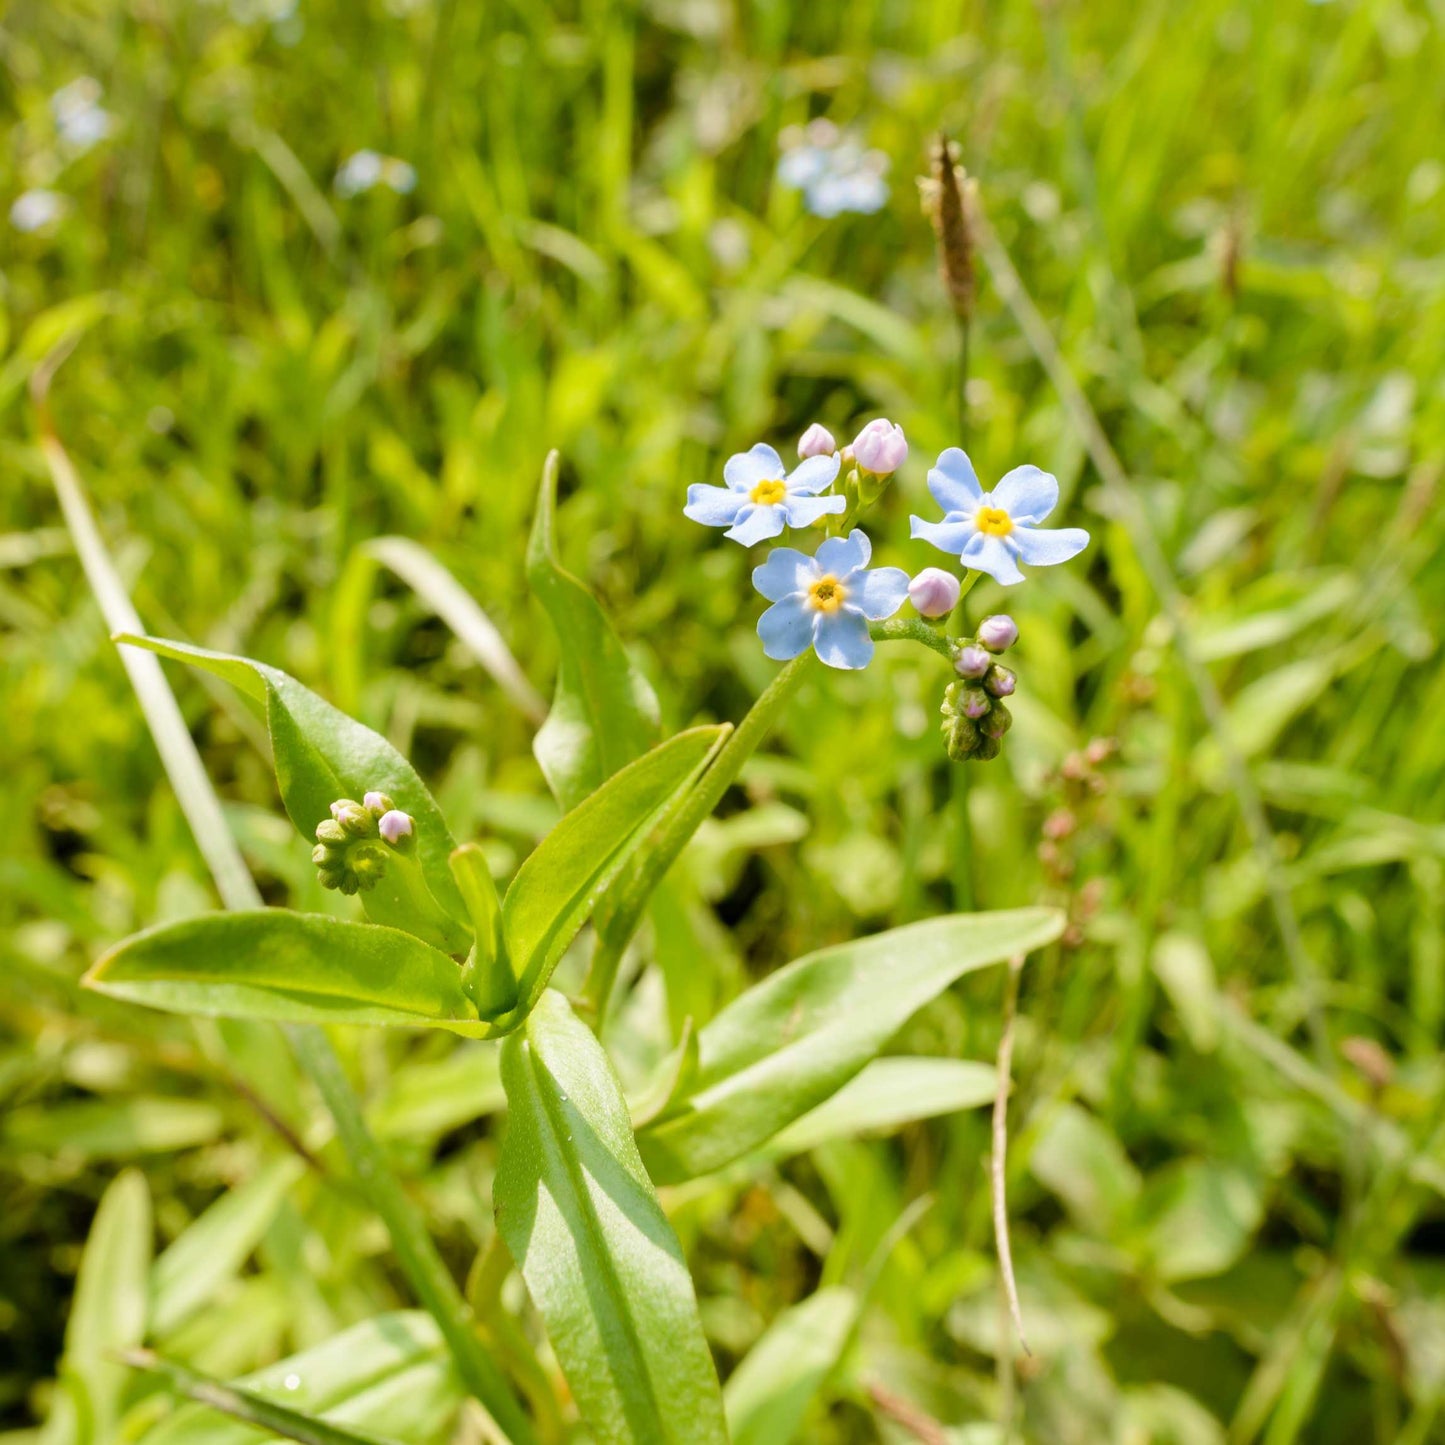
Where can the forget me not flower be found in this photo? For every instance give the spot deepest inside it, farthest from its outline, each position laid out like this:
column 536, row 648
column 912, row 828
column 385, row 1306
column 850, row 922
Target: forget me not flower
column 761, row 497
column 79, row 116
column 834, row 172
column 994, row 531
column 826, row 601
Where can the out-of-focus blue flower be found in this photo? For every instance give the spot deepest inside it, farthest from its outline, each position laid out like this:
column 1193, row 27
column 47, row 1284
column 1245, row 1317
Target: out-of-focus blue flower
column 994, row 531
column 761, row 497
column 37, row 209
column 367, row 169
column 834, row 172
column 79, row 116
column 826, row 601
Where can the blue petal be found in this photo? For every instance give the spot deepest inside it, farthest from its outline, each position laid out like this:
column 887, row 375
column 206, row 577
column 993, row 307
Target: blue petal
column 845, row 554
column 756, row 524
column 786, row 627
column 1044, row 546
column 1027, row 494
column 946, row 536
column 994, row 556
column 813, row 475
column 804, row 511
column 954, row 483
column 786, row 571
column 744, row 470
column 713, row 506
column 879, row 593
column 841, row 638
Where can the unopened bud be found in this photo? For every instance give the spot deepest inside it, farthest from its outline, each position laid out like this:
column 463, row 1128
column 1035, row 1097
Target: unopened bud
column 1000, row 681
column 997, row 723
column 331, row 833
column 934, row 592
column 998, row 633
column 355, row 819
column 396, row 826
column 817, row 441
column 972, row 661
column 377, row 803
column 880, row 448
column 988, row 749
column 368, row 863
column 974, row 702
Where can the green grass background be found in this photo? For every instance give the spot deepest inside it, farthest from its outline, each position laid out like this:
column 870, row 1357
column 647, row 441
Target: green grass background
column 1231, row 217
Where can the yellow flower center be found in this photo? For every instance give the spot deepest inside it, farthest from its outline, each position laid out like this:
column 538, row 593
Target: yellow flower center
column 768, row 493
column 993, row 521
column 827, row 594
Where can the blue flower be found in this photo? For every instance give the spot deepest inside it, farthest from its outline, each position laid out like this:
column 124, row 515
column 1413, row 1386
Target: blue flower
column 994, row 531
column 833, row 171
column 761, row 498
column 826, row 601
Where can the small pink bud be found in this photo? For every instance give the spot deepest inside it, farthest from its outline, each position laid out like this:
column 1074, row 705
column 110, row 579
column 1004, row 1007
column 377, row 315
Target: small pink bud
column 880, row 448
column 972, row 662
column 376, row 803
column 817, row 441
column 395, row 825
column 1000, row 681
column 934, row 592
column 998, row 633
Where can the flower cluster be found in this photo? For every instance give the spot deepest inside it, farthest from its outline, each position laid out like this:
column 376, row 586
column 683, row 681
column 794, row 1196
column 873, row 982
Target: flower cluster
column 975, row 716
column 825, row 601
column 355, row 845
column 834, row 171
column 828, row 600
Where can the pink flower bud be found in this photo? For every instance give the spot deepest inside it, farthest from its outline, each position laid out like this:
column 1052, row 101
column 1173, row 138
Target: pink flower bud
column 395, row 826
column 880, row 448
column 934, row 592
column 972, row 662
column 817, row 441
column 1000, row 681
column 998, row 633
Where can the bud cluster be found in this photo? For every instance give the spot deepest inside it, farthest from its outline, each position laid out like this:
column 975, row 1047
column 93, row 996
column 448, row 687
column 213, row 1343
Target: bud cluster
column 975, row 717
column 354, row 845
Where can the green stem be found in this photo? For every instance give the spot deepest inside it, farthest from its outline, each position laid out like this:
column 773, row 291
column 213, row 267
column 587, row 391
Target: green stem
column 415, row 1250
column 621, row 916
column 911, row 629
column 637, row 886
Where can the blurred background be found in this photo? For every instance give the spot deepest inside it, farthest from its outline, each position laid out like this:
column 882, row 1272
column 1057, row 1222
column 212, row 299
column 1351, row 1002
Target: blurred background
column 340, row 271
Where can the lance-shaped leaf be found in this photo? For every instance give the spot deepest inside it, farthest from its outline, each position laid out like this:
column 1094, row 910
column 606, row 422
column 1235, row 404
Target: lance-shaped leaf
column 604, row 712
column 390, row 1375
column 581, row 1218
column 270, row 963
column 556, row 887
column 320, row 755
column 792, row 1040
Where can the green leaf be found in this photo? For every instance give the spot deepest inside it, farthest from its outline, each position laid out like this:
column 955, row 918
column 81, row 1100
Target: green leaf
column 271, row 963
column 768, row 1394
column 581, row 1218
column 556, row 887
column 213, row 1249
column 795, row 1038
column 114, row 1128
column 888, row 1094
column 321, row 755
column 604, row 713
column 390, row 1376
column 108, row 1312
